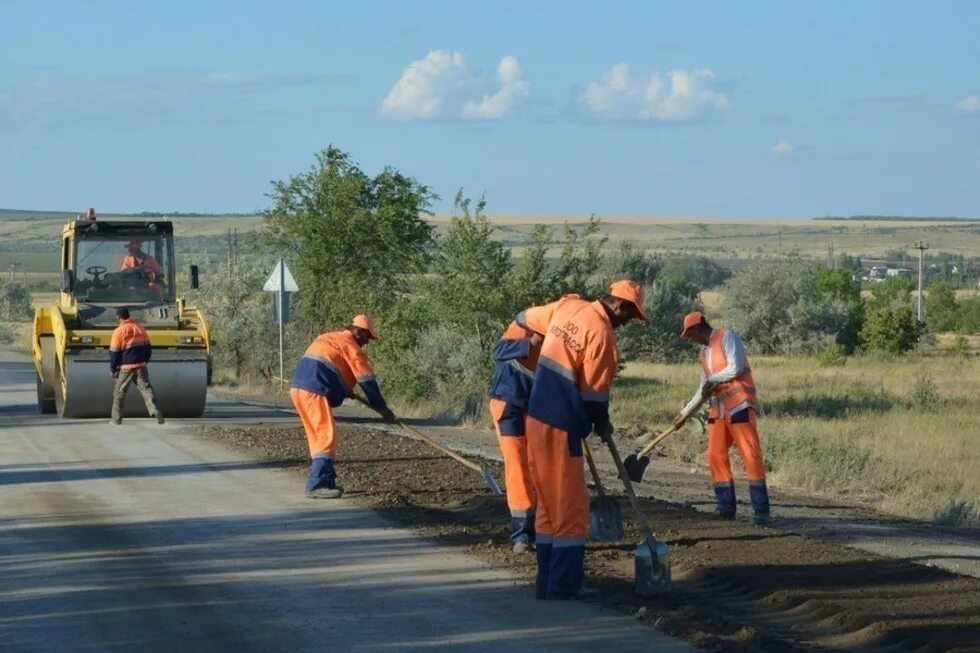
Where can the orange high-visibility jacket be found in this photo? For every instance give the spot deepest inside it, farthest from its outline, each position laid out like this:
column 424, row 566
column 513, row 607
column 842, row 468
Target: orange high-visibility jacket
column 575, row 371
column 332, row 365
column 725, row 363
column 516, row 360
column 147, row 263
column 130, row 346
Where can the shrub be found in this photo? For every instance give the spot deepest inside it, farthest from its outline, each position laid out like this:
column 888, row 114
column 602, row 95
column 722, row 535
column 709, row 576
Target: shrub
column 942, row 311
column 666, row 302
column 924, row 395
column 15, row 301
column 697, row 271
column 890, row 330
column 832, row 356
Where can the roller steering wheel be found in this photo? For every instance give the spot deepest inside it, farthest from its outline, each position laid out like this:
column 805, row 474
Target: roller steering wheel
column 95, row 271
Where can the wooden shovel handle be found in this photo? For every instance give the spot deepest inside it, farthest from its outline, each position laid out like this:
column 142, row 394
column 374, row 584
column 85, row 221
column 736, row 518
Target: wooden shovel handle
column 673, row 429
column 592, row 468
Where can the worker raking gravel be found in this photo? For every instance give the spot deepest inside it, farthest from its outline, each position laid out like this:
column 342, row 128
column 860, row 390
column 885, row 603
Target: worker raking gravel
column 327, row 373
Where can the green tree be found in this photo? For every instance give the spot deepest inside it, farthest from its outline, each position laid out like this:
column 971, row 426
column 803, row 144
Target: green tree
column 471, row 271
column 942, row 311
column 890, row 330
column 666, row 302
column 892, row 292
column 529, row 283
column 351, row 240
column 629, row 262
column 581, row 257
column 15, row 301
column 839, row 286
column 777, row 307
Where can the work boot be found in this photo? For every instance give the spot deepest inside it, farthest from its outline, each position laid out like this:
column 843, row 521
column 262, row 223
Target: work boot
column 115, row 422
column 724, row 513
column 326, row 493
column 160, row 419
column 760, row 518
column 522, row 547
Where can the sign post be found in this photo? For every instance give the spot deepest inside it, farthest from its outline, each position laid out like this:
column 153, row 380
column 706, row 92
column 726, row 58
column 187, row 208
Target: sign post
column 282, row 283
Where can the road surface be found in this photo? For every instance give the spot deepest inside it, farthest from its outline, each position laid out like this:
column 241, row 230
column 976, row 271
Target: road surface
column 144, row 537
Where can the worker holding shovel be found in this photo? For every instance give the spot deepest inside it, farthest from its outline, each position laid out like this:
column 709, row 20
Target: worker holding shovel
column 570, row 399
column 727, row 378
column 516, row 359
column 327, row 373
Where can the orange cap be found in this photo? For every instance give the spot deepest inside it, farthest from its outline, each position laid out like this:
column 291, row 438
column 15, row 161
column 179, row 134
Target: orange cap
column 366, row 323
column 691, row 320
column 631, row 292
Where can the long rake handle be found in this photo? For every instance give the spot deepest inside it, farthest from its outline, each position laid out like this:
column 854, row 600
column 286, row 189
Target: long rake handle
column 426, row 439
column 672, row 429
column 593, row 469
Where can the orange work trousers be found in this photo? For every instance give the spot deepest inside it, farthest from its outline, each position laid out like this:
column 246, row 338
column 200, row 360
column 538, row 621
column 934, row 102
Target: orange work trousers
column 738, row 429
column 318, row 422
column 509, row 421
column 562, row 518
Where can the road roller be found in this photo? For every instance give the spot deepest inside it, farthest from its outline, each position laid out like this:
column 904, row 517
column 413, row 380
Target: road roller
column 104, row 265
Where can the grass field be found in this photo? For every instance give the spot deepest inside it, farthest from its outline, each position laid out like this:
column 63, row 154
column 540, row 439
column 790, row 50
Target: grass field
column 900, row 434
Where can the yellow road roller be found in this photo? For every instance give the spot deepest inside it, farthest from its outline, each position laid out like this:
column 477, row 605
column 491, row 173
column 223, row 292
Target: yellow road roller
column 104, row 265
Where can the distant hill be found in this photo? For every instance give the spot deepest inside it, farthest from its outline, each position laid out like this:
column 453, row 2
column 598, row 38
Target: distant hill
column 896, row 218
column 24, row 214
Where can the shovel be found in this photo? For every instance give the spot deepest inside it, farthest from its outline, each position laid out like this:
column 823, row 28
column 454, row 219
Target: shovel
column 636, row 463
column 605, row 515
column 487, row 476
column 651, row 558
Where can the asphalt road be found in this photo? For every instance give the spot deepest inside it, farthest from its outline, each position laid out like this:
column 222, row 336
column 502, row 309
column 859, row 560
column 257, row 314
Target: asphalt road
column 144, row 537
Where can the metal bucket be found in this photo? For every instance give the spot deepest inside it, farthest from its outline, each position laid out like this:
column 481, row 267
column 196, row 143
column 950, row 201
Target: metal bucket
column 651, row 574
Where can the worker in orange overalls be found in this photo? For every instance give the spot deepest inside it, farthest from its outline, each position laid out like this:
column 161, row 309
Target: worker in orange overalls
column 137, row 259
column 129, row 354
column 516, row 358
column 327, row 373
column 727, row 378
column 570, row 399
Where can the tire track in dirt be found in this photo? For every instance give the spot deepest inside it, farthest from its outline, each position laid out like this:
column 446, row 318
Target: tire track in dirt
column 738, row 588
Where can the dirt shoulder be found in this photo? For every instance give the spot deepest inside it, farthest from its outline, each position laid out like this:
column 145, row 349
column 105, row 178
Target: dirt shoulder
column 737, row 587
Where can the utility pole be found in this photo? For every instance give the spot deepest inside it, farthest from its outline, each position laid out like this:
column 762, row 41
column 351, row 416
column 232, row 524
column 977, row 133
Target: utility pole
column 922, row 247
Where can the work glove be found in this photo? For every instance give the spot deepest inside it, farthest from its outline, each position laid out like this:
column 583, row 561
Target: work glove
column 388, row 416
column 115, row 374
column 605, row 431
column 707, row 389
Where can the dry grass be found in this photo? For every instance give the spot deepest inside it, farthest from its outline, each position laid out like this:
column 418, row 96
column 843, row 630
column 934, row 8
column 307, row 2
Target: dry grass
column 900, row 434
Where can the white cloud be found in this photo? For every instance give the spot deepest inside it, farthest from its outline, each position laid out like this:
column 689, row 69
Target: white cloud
column 678, row 96
column 782, row 148
column 968, row 105
column 442, row 86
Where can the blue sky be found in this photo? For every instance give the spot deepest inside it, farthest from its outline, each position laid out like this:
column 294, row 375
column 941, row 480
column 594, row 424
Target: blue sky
column 747, row 109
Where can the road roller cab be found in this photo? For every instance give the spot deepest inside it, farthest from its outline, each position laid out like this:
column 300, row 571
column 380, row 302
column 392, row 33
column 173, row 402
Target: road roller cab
column 105, row 265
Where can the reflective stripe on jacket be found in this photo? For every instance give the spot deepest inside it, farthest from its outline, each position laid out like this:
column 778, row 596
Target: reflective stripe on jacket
column 130, row 346
column 734, row 394
column 332, row 365
column 575, row 371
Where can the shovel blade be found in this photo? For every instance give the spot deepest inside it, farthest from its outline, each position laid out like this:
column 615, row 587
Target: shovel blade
column 652, row 568
column 636, row 467
column 605, row 520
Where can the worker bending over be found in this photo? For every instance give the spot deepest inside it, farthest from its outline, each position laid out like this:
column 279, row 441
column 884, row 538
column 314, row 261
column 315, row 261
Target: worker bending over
column 727, row 378
column 327, row 373
column 516, row 359
column 570, row 399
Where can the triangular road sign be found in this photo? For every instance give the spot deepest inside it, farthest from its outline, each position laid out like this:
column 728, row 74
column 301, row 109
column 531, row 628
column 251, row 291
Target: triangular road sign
column 281, row 279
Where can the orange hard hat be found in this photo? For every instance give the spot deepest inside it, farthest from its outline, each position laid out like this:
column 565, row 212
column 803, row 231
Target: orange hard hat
column 631, row 292
column 691, row 320
column 366, row 323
